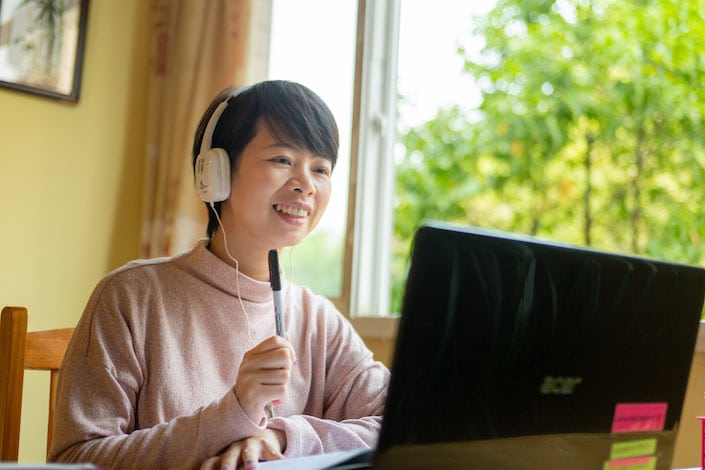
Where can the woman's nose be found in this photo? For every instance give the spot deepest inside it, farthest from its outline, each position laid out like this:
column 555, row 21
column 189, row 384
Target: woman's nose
column 302, row 182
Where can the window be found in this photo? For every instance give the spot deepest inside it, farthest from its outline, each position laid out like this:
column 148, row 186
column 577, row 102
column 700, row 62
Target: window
column 408, row 68
column 571, row 120
column 582, row 124
column 314, row 42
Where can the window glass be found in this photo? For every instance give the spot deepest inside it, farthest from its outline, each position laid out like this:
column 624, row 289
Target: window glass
column 431, row 78
column 570, row 120
column 576, row 121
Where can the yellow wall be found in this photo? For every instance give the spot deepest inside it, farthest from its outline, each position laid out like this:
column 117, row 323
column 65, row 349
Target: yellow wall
column 71, row 178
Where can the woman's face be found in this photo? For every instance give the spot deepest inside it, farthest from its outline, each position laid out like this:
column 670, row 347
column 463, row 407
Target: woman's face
column 279, row 193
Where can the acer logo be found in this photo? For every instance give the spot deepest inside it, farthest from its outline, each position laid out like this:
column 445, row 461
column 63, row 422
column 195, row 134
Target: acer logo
column 559, row 385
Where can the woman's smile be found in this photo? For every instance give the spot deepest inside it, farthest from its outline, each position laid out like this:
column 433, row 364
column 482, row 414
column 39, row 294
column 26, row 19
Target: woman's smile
column 291, row 211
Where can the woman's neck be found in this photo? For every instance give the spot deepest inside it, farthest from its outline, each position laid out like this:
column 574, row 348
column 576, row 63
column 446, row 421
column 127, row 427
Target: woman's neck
column 251, row 262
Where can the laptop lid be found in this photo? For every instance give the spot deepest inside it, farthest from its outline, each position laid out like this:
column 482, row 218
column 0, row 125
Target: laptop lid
column 508, row 343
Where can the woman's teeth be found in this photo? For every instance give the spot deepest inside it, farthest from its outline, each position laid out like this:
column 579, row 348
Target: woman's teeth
column 292, row 211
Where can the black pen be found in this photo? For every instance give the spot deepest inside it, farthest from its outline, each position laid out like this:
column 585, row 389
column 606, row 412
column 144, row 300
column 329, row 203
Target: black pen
column 276, row 284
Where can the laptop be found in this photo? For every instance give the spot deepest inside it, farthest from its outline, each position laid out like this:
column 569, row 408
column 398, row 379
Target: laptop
column 514, row 352
column 518, row 353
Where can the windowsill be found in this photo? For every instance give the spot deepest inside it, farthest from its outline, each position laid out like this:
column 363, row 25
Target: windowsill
column 386, row 328
column 376, row 327
column 700, row 341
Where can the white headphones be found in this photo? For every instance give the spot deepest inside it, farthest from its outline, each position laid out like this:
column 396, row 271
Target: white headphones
column 213, row 164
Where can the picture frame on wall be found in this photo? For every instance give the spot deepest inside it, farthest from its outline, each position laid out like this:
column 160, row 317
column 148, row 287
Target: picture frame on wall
column 41, row 46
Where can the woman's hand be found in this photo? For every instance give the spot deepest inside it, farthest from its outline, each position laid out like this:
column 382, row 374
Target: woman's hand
column 267, row 444
column 264, row 376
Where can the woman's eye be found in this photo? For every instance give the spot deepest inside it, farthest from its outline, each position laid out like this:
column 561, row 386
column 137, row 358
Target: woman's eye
column 282, row 160
column 322, row 171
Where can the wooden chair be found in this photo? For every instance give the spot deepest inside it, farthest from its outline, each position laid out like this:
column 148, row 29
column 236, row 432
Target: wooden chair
column 20, row 350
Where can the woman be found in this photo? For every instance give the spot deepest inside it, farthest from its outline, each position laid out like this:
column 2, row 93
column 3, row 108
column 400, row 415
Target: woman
column 175, row 362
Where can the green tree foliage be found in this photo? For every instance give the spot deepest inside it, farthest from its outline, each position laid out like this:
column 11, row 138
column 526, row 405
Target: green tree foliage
column 590, row 131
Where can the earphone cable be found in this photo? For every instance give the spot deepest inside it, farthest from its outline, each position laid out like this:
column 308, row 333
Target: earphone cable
column 237, row 274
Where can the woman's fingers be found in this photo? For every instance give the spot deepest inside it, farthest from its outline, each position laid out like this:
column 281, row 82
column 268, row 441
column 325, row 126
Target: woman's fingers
column 251, row 453
column 264, row 375
column 230, row 457
column 262, row 446
column 265, row 445
column 210, row 464
column 272, row 353
column 269, row 452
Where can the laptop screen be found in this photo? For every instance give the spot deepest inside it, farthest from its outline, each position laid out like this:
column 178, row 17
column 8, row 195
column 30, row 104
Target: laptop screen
column 503, row 336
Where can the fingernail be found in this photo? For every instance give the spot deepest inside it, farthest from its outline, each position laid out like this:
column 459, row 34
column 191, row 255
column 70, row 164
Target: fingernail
column 276, row 402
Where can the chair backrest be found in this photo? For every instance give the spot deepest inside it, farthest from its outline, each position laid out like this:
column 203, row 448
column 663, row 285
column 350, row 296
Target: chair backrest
column 20, row 350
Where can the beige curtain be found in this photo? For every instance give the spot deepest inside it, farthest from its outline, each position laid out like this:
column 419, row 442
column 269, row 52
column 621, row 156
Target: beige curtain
column 198, row 48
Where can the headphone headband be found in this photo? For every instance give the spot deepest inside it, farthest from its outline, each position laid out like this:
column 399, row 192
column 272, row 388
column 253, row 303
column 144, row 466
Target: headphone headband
column 207, row 139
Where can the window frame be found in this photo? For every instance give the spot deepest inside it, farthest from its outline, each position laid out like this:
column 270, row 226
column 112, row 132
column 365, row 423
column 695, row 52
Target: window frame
column 367, row 247
column 366, row 279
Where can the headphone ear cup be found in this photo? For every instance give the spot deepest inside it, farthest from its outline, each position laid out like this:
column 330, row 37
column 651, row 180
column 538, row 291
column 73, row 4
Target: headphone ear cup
column 213, row 175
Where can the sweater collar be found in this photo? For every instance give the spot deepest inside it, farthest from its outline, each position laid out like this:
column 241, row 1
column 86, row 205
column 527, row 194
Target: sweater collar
column 220, row 274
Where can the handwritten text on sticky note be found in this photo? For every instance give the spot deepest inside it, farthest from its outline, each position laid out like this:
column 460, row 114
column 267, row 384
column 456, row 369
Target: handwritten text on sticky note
column 639, row 417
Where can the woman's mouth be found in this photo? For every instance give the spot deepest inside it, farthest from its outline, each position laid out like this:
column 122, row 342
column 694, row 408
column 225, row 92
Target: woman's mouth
column 290, row 210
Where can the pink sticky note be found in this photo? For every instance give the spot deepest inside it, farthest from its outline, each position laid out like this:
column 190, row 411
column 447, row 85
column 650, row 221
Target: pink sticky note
column 634, row 463
column 639, row 417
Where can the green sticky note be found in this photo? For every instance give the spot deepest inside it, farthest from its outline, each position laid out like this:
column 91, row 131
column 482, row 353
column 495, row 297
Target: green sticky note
column 626, row 449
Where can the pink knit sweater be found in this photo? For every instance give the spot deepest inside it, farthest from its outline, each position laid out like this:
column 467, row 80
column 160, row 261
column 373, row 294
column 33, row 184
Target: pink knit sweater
column 148, row 379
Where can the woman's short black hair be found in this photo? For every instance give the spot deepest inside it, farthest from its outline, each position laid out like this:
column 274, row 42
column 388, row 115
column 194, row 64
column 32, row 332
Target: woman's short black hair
column 291, row 112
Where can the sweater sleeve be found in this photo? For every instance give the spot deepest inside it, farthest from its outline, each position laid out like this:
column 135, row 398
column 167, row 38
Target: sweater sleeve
column 96, row 412
column 354, row 394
